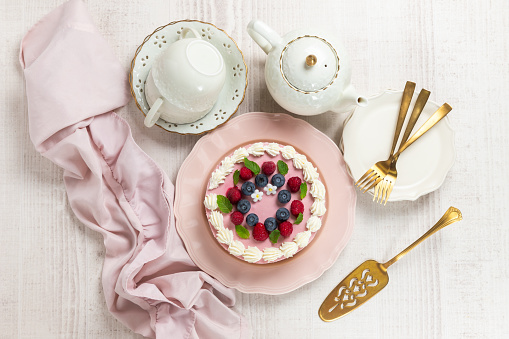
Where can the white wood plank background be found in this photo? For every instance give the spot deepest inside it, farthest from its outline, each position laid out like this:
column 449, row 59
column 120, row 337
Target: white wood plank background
column 452, row 286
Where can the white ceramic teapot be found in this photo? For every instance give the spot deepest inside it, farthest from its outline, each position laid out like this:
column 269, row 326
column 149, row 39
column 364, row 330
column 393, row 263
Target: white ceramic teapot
column 306, row 72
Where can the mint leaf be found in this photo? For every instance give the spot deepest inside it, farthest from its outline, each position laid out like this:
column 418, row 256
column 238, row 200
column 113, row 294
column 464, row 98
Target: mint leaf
column 242, row 232
column 236, row 176
column 224, row 204
column 253, row 166
column 299, row 219
column 303, row 190
column 282, row 167
column 274, row 236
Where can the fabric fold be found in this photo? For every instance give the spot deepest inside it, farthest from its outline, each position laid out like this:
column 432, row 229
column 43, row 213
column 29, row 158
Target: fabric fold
column 73, row 84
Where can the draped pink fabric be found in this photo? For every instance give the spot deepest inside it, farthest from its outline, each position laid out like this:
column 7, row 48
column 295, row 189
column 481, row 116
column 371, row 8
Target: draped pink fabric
column 73, row 84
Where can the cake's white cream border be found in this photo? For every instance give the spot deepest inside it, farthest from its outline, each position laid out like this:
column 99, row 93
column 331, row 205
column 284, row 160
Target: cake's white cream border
column 287, row 249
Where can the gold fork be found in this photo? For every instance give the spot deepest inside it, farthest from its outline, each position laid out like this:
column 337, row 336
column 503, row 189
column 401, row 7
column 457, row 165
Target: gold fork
column 379, row 170
column 432, row 121
column 384, row 188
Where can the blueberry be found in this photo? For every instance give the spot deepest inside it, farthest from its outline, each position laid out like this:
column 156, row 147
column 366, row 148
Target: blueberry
column 282, row 214
column 251, row 219
column 244, row 206
column 284, row 196
column 261, row 180
column 270, row 224
column 248, row 188
column 278, row 180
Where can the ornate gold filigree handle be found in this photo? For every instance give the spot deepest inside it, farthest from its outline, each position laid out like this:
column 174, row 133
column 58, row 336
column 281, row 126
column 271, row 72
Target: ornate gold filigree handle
column 451, row 216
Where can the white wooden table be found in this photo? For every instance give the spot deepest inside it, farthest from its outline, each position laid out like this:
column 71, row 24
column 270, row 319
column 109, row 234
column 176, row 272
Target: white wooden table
column 452, row 286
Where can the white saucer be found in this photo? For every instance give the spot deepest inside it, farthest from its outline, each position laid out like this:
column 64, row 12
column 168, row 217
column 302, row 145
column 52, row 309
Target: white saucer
column 234, row 88
column 367, row 139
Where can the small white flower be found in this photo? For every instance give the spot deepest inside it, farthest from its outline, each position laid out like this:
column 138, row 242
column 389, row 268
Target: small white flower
column 257, row 196
column 270, row 189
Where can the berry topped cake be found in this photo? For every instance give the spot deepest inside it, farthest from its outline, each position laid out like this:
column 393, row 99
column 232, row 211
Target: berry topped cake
column 265, row 202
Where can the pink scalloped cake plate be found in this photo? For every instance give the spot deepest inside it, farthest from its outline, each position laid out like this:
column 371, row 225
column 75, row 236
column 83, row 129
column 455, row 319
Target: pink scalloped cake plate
column 308, row 264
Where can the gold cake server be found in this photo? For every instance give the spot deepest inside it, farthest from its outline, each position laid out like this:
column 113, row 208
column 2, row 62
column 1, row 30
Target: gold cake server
column 371, row 277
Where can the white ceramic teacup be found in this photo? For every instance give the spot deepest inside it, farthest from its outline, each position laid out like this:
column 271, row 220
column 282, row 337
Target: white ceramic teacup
column 185, row 81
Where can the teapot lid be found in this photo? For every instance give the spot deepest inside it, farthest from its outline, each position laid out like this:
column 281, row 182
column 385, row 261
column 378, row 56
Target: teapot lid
column 309, row 64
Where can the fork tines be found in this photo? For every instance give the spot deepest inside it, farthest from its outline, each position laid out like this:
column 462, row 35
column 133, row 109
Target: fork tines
column 369, row 180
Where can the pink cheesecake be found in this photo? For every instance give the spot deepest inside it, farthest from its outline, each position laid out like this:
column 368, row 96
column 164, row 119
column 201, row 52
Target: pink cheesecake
column 282, row 202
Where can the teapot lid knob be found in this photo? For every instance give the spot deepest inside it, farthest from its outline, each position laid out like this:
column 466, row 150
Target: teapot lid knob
column 311, row 60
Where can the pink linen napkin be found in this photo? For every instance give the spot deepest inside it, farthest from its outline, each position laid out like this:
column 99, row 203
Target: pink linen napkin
column 73, row 84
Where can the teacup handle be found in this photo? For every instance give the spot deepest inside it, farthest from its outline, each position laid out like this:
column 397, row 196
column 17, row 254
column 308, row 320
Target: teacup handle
column 189, row 30
column 153, row 114
column 263, row 35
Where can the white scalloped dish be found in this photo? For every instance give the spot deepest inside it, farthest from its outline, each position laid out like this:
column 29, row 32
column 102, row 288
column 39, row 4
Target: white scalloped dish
column 367, row 138
column 230, row 97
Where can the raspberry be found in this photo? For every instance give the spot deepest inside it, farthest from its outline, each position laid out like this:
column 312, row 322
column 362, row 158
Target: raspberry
column 234, row 195
column 245, row 173
column 297, row 207
column 286, row 228
column 237, row 218
column 268, row 167
column 259, row 232
column 294, row 184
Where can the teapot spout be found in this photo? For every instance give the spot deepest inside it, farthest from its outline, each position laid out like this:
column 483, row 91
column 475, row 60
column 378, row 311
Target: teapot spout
column 349, row 100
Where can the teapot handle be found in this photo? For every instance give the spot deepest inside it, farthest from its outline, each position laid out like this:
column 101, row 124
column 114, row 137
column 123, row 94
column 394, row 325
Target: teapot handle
column 263, row 35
